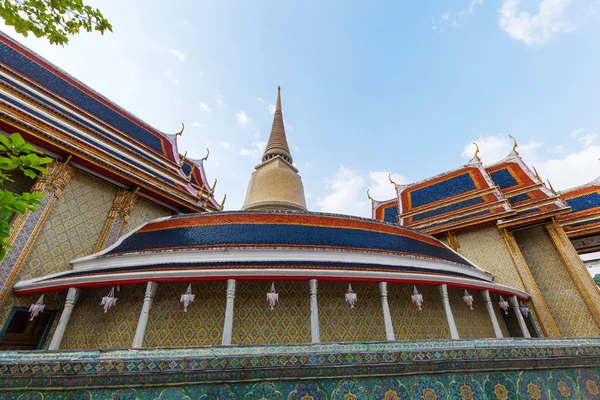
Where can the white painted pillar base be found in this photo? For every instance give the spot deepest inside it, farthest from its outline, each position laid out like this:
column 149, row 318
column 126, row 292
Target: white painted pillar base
column 514, row 302
column 490, row 309
column 387, row 318
column 449, row 317
column 314, row 312
column 72, row 297
column 228, row 325
column 138, row 339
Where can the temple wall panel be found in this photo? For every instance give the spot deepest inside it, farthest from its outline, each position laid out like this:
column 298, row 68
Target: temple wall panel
column 72, row 228
column 409, row 322
column 562, row 297
column 202, row 325
column 91, row 328
column 340, row 323
column 255, row 323
column 465, row 318
column 144, row 211
column 485, row 247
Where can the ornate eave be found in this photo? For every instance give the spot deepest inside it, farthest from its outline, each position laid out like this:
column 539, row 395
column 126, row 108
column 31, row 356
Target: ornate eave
column 61, row 126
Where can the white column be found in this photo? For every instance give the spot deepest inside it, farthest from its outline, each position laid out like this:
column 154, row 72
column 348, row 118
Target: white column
column 228, row 326
column 490, row 309
column 514, row 302
column 72, row 297
column 138, row 339
column 387, row 318
column 314, row 312
column 448, row 311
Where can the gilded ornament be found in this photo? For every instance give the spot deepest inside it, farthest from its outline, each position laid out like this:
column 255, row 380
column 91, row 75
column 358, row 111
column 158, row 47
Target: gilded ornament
column 207, row 154
column 183, row 159
column 515, row 145
column 181, row 131
column 476, row 152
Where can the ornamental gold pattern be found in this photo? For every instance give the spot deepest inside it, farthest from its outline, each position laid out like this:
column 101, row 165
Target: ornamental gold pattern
column 563, row 299
column 484, row 246
column 72, row 228
column 202, row 325
column 340, row 323
column 545, row 319
column 409, row 322
column 118, row 216
column 91, row 328
column 142, row 212
column 255, row 323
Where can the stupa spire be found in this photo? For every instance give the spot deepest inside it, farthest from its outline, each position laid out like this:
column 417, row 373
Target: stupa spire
column 277, row 145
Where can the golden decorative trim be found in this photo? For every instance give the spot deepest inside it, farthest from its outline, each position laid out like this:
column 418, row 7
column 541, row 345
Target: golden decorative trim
column 58, row 176
column 545, row 321
column 582, row 279
column 453, row 241
column 122, row 207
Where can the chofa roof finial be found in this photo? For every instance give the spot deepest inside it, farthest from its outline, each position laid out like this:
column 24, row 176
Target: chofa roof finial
column 223, row 202
column 515, row 145
column 391, row 180
column 536, row 173
column 207, row 154
column 476, row 152
column 189, row 177
column 183, row 159
column 181, row 131
column 369, row 196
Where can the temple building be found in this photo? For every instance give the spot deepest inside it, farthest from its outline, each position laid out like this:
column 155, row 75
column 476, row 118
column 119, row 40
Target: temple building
column 131, row 282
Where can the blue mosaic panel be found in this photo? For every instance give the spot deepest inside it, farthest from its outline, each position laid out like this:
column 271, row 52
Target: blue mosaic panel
column 588, row 222
column 442, row 190
column 584, row 202
column 280, row 235
column 519, row 198
column 41, row 75
column 390, row 214
column 448, row 208
column 503, row 178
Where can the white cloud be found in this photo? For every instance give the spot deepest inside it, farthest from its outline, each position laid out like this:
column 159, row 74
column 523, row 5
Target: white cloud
column 495, row 148
column 445, row 16
column 242, row 119
column 219, row 101
column 536, row 29
column 178, row 54
column 308, row 163
column 197, row 124
column 568, row 170
column 295, row 147
column 171, row 77
column 346, row 191
column 204, row 107
column 271, row 109
column 225, row 145
column 471, row 8
column 256, row 150
column 256, row 134
column 260, row 100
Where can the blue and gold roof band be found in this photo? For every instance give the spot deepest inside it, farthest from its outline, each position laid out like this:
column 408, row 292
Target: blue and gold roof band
column 584, row 218
column 387, row 211
column 238, row 229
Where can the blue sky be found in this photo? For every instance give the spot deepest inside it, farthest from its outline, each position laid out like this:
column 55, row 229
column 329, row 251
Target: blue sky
column 368, row 88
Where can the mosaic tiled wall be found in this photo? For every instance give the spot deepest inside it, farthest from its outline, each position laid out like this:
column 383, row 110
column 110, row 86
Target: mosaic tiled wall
column 564, row 301
column 340, row 323
column 409, row 322
column 255, row 323
column 471, row 324
column 486, row 248
column 72, row 228
column 577, row 383
column 91, row 328
column 202, row 325
column 144, row 211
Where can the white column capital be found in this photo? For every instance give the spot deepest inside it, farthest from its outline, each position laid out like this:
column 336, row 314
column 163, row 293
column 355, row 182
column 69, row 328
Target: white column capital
column 387, row 318
column 228, row 324
column 449, row 317
column 315, row 332
column 514, row 302
column 59, row 333
column 491, row 312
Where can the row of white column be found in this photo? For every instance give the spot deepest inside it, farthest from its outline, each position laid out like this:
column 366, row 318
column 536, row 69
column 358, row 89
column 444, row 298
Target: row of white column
column 151, row 287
